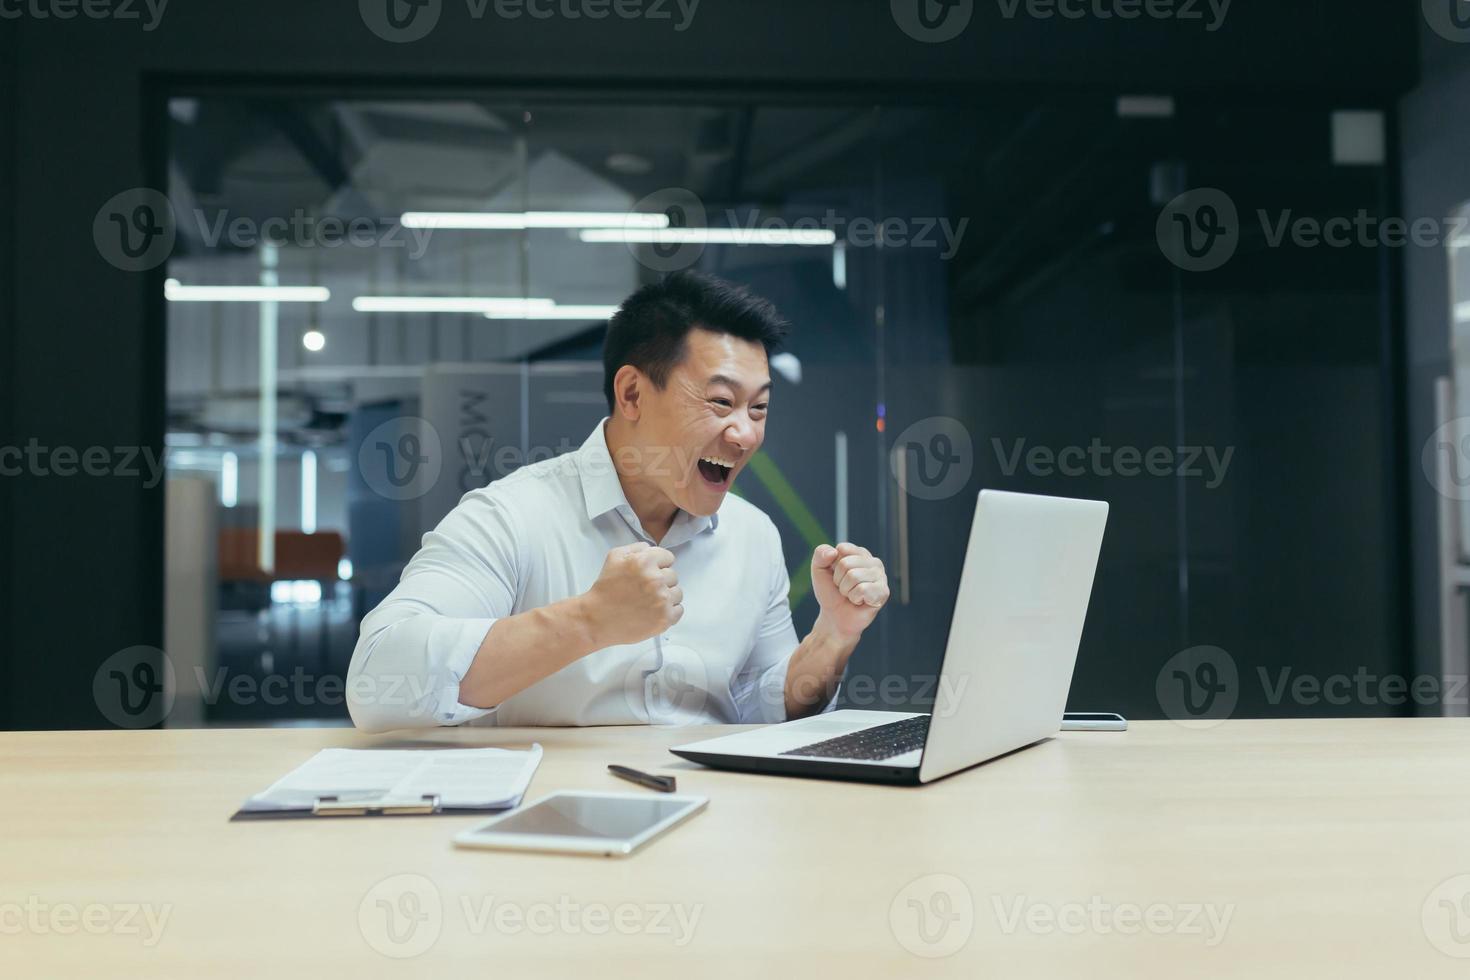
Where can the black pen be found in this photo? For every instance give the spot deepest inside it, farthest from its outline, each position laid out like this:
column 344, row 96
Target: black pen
column 664, row 784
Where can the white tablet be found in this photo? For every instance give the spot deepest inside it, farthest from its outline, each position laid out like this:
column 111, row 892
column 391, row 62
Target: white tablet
column 585, row 822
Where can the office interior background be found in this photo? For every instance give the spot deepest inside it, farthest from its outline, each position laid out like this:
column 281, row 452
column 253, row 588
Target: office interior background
column 1053, row 254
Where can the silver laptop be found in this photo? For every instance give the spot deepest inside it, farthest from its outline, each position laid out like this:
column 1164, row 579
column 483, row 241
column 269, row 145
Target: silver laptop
column 1006, row 671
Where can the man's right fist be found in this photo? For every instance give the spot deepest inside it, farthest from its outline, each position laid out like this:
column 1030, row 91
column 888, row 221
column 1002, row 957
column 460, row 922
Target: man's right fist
column 636, row 596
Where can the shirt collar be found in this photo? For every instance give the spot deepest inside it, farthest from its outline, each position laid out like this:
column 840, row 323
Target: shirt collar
column 602, row 491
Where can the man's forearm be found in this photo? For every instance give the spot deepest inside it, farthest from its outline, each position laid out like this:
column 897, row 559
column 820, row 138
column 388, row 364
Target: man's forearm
column 816, row 668
column 522, row 649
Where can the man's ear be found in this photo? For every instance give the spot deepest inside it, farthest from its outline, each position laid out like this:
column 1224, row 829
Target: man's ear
column 628, row 388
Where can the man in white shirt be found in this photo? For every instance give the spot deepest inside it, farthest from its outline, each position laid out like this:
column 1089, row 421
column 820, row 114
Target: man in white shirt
column 618, row 584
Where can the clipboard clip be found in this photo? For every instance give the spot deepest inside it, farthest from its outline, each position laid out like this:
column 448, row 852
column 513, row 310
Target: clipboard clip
column 331, row 806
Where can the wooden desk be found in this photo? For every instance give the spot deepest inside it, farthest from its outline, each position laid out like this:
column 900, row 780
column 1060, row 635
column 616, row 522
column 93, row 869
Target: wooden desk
column 1321, row 840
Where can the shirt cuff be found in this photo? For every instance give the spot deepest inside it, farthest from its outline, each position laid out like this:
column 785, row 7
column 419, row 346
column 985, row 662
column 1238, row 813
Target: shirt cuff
column 461, row 639
column 772, row 694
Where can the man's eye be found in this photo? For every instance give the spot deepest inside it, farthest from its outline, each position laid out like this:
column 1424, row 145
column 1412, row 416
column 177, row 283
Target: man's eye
column 722, row 402
column 759, row 408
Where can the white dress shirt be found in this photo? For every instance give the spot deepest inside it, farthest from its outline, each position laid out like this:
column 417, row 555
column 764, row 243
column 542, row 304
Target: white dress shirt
column 540, row 535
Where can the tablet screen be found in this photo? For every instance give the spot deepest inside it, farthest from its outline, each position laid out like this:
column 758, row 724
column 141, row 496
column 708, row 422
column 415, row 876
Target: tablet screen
column 601, row 817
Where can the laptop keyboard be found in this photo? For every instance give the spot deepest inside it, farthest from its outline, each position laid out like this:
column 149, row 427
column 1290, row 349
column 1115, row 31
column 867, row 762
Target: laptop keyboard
column 882, row 742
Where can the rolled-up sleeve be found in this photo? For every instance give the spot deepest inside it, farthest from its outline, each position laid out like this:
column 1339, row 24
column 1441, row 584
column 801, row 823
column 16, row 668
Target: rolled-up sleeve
column 417, row 645
column 759, row 689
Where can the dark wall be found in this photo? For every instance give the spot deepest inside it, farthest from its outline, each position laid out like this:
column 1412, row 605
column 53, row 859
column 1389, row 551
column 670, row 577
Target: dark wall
column 7, row 355
column 80, row 106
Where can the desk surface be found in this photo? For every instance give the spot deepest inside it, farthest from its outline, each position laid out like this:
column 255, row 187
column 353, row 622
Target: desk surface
column 1257, row 848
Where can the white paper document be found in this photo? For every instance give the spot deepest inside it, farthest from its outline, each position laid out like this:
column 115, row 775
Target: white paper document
column 480, row 778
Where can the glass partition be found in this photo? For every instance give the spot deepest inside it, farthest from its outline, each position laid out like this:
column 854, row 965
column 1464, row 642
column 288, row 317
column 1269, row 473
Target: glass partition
column 375, row 306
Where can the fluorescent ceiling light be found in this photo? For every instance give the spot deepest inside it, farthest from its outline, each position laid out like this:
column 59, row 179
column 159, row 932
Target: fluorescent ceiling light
column 557, row 313
column 448, row 304
column 176, row 292
column 518, row 220
column 710, row 236
column 1462, row 312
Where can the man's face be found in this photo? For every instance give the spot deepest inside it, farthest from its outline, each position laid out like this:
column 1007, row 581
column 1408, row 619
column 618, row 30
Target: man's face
column 710, row 417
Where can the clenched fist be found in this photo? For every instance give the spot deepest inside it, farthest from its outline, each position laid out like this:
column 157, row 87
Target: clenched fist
column 636, row 595
column 850, row 585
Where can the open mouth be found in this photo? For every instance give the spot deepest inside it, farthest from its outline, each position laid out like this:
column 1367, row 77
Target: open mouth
column 715, row 470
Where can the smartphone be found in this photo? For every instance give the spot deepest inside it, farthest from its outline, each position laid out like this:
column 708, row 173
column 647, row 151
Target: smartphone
column 576, row 822
column 1093, row 721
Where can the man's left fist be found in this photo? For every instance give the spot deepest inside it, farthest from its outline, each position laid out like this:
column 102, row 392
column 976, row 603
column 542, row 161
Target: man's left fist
column 851, row 586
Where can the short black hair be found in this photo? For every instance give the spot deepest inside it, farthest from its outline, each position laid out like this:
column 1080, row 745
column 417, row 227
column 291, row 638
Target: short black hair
column 648, row 330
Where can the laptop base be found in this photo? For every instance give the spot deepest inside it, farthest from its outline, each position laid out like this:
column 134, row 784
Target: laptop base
column 810, row 768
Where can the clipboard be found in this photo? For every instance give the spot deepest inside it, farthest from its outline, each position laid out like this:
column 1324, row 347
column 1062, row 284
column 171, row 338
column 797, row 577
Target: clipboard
column 334, row 783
